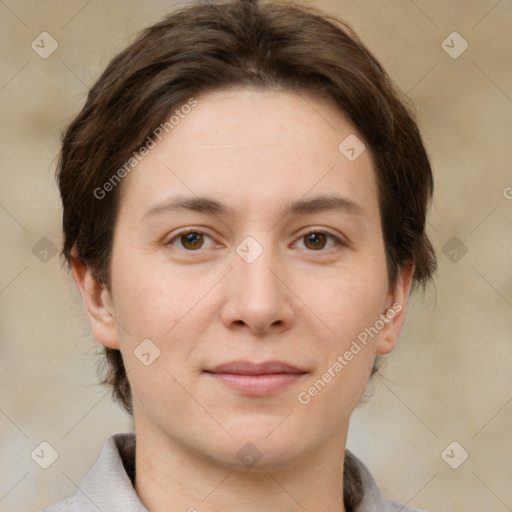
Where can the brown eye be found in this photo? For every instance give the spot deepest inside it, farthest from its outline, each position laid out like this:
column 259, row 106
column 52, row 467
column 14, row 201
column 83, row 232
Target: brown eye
column 315, row 241
column 192, row 240
column 318, row 240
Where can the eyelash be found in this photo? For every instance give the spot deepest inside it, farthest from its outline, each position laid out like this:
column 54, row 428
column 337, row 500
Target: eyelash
column 338, row 241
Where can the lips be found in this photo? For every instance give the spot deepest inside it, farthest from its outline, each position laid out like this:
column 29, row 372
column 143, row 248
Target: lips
column 256, row 379
column 247, row 368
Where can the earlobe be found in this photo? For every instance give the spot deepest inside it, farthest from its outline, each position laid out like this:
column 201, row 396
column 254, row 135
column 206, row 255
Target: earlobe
column 97, row 303
column 394, row 316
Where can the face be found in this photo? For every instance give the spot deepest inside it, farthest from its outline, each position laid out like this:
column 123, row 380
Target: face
column 249, row 292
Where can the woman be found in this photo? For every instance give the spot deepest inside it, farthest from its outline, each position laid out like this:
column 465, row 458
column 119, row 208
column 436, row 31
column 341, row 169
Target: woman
column 244, row 197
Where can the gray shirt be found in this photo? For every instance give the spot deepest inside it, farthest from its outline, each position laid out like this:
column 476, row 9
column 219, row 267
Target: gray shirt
column 109, row 488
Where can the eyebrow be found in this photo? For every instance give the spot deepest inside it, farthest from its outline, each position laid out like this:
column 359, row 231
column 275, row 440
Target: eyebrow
column 214, row 207
column 323, row 203
column 196, row 204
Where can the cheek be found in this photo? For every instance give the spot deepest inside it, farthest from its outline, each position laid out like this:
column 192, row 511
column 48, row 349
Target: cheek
column 351, row 302
column 171, row 309
column 151, row 307
column 155, row 332
column 350, row 307
column 150, row 301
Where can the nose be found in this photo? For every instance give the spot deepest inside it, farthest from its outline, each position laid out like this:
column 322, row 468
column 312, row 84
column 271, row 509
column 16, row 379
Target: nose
column 258, row 297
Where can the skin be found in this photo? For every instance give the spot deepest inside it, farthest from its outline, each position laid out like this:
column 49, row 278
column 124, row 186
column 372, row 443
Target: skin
column 253, row 151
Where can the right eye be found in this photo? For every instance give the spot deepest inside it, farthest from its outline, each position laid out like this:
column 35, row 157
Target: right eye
column 189, row 240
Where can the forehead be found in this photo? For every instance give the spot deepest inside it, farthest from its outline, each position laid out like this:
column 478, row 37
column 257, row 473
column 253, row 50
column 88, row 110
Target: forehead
column 251, row 147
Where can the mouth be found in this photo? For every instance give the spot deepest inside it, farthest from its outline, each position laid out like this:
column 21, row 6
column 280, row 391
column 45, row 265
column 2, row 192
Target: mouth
column 256, row 379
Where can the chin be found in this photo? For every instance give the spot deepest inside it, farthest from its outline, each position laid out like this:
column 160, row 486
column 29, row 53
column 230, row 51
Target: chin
column 259, row 442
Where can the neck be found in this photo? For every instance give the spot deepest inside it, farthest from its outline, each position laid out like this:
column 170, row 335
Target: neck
column 171, row 477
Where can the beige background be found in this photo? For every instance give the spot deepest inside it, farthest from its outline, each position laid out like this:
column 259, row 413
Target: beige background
column 449, row 380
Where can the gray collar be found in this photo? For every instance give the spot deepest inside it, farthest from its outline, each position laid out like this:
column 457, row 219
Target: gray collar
column 108, row 487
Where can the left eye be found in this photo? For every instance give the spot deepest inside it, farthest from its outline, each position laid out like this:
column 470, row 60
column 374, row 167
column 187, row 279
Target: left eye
column 317, row 240
column 190, row 240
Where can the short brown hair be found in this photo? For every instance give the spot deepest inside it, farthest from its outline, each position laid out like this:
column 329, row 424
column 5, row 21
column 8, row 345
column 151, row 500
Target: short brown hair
column 213, row 46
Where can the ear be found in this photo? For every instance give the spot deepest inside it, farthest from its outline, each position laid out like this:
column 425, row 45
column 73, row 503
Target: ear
column 97, row 302
column 394, row 316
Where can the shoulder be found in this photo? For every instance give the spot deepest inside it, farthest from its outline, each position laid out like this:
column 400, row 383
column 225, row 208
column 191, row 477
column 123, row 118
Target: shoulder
column 108, row 485
column 372, row 497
